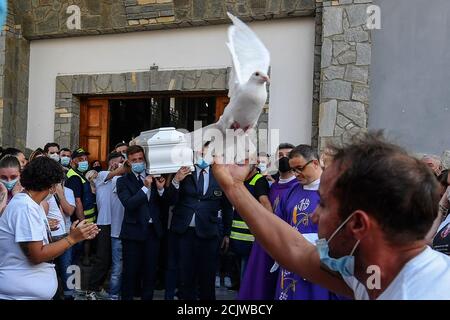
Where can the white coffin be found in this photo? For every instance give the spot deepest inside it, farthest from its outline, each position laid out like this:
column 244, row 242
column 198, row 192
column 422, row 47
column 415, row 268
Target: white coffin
column 166, row 150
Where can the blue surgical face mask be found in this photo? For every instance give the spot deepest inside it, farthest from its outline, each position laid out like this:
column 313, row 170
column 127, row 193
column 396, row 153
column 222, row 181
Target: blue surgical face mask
column 262, row 167
column 201, row 163
column 344, row 265
column 9, row 185
column 138, row 168
column 65, row 161
column 83, row 166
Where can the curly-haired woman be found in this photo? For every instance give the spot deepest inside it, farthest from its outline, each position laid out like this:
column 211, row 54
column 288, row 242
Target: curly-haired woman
column 26, row 248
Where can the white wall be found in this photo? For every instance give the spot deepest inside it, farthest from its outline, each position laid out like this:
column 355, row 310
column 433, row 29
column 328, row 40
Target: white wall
column 291, row 43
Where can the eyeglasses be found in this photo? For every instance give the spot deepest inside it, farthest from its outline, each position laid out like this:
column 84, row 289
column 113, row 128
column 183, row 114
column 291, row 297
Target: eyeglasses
column 301, row 169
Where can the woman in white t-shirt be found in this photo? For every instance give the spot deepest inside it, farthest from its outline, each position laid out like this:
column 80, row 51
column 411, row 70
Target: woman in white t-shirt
column 59, row 209
column 26, row 247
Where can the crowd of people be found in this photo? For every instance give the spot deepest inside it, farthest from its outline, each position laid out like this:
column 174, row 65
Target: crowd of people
column 308, row 231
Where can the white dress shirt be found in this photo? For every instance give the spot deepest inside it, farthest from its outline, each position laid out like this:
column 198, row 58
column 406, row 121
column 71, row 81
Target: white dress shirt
column 198, row 172
column 205, row 186
column 146, row 190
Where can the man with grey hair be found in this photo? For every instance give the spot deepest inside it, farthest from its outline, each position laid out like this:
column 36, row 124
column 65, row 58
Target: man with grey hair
column 434, row 162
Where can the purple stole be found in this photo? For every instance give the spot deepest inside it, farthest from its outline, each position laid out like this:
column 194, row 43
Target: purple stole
column 296, row 209
column 258, row 282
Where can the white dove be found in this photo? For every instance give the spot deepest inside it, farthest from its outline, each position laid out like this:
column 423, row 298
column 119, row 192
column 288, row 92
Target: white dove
column 247, row 83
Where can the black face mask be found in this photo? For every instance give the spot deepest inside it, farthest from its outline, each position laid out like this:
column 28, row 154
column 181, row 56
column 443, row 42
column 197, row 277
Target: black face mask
column 97, row 168
column 283, row 165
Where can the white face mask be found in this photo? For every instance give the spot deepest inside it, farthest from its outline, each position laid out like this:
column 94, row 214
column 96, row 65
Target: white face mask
column 54, row 156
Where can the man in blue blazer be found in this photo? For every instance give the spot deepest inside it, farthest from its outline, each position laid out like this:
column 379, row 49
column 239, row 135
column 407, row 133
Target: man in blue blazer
column 195, row 227
column 141, row 195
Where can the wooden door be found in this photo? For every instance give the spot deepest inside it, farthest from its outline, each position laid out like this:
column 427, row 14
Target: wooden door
column 94, row 128
column 221, row 103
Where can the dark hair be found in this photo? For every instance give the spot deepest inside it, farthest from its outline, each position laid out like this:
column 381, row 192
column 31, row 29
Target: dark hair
column 114, row 155
column 135, row 149
column 285, row 145
column 304, row 150
column 9, row 151
column 383, row 180
column 36, row 153
column 120, row 144
column 443, row 178
column 94, row 161
column 41, row 174
column 9, row 161
column 50, row 145
column 65, row 149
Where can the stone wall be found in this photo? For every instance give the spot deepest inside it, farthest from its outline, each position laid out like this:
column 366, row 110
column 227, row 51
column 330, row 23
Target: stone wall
column 342, row 53
column 40, row 19
column 346, row 56
column 47, row 18
column 69, row 90
column 202, row 12
column 143, row 12
column 316, row 77
column 14, row 70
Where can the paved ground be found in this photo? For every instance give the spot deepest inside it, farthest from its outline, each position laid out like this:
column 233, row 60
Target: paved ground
column 221, row 293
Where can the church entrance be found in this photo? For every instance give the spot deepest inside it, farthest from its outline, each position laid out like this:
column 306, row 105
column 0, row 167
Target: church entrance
column 107, row 121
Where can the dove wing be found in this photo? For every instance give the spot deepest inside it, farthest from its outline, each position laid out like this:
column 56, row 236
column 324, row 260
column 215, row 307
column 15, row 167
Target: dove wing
column 248, row 53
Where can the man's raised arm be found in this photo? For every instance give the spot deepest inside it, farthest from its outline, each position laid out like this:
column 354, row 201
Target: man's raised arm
column 287, row 246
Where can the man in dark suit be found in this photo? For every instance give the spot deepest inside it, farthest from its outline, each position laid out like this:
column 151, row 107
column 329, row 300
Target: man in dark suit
column 141, row 196
column 195, row 227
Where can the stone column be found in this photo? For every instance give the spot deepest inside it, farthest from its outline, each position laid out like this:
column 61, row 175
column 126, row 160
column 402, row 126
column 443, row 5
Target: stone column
column 316, row 79
column 346, row 56
column 14, row 70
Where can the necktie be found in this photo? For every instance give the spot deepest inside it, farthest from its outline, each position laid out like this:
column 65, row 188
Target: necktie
column 141, row 182
column 201, row 182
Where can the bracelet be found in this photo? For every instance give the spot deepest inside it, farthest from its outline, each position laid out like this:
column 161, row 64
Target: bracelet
column 70, row 242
